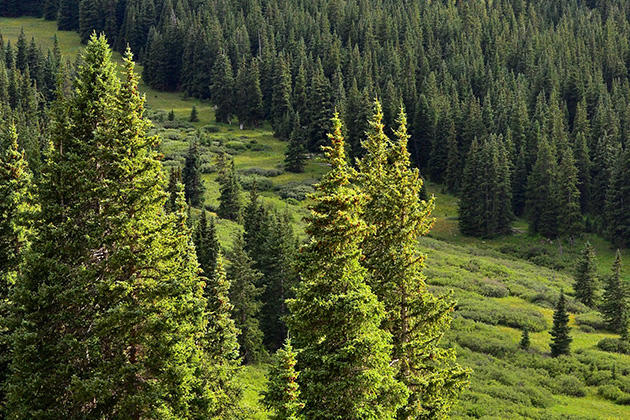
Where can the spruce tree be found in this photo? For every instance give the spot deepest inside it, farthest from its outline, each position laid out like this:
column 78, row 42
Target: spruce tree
column 415, row 318
column 525, row 341
column 617, row 214
column 16, row 205
column 221, row 343
column 229, row 189
column 110, row 314
column 245, row 297
column 295, row 156
column 207, row 244
column 174, row 181
column 469, row 218
column 335, row 318
column 615, row 300
column 191, row 176
column 194, row 115
column 560, row 338
column 585, row 285
column 222, row 89
column 283, row 392
column 570, row 221
column 542, row 201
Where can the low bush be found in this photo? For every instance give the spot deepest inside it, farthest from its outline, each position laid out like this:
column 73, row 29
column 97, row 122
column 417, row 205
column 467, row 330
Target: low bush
column 262, row 172
column 569, row 385
column 614, row 345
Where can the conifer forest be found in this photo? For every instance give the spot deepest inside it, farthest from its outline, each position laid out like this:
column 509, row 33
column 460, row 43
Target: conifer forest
column 314, row 209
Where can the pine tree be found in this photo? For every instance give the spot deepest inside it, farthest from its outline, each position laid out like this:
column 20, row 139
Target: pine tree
column 618, row 202
column 245, row 296
column 16, row 205
column 171, row 115
column 90, row 18
column 191, row 176
column 335, row 318
column 570, row 221
column 109, row 314
column 221, row 343
column 207, row 244
column 469, row 219
column 415, row 318
column 585, row 285
column 525, row 342
column 229, row 189
column 222, row 89
column 68, row 16
column 194, row 116
column 615, row 305
column 295, row 156
column 542, row 201
column 283, row 392
column 560, row 338
column 320, row 109
column 174, row 181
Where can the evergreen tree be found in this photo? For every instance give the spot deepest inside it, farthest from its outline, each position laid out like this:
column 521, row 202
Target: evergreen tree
column 194, row 116
column 222, row 89
column 295, row 156
column 68, row 15
column 90, row 18
column 109, row 314
column 229, row 189
column 283, row 392
column 415, row 318
column 585, row 285
column 174, row 181
column 207, row 244
column 245, row 296
column 335, row 318
column 615, row 304
column 525, row 342
column 221, row 343
column 171, row 115
column 16, row 204
column 469, row 219
column 320, row 109
column 570, row 221
column 560, row 338
column 191, row 176
column 542, row 201
column 618, row 202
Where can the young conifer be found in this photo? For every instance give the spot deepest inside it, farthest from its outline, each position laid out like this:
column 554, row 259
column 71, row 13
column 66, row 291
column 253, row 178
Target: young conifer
column 585, row 285
column 283, row 392
column 560, row 337
column 615, row 305
column 525, row 341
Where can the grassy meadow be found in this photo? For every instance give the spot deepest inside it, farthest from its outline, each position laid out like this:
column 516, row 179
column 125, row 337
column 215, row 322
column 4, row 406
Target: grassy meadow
column 501, row 285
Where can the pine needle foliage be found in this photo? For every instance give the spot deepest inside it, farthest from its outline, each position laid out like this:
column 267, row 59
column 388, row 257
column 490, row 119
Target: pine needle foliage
column 335, row 318
column 109, row 314
column 396, row 217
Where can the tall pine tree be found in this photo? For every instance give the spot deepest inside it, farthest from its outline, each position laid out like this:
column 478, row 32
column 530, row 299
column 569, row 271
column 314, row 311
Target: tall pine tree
column 335, row 318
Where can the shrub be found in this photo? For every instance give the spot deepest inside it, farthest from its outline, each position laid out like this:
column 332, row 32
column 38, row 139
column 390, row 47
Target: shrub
column 236, row 145
column 610, row 392
column 262, row 172
column 262, row 184
column 614, row 345
column 570, row 385
column 211, row 129
column 592, row 319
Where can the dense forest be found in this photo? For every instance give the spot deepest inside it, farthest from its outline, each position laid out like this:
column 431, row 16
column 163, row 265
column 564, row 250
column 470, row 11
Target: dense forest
column 541, row 88
column 118, row 299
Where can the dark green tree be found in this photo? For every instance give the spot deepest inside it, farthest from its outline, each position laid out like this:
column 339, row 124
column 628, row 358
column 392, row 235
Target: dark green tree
column 525, row 341
column 207, row 244
column 222, row 88
column 191, row 176
column 615, row 300
column 585, row 285
column 560, row 331
column 229, row 189
column 173, row 189
column 295, row 155
column 542, row 201
column 194, row 115
column 617, row 202
column 245, row 296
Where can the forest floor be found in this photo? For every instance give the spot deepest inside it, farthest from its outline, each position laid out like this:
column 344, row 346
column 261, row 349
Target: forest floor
column 501, row 285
